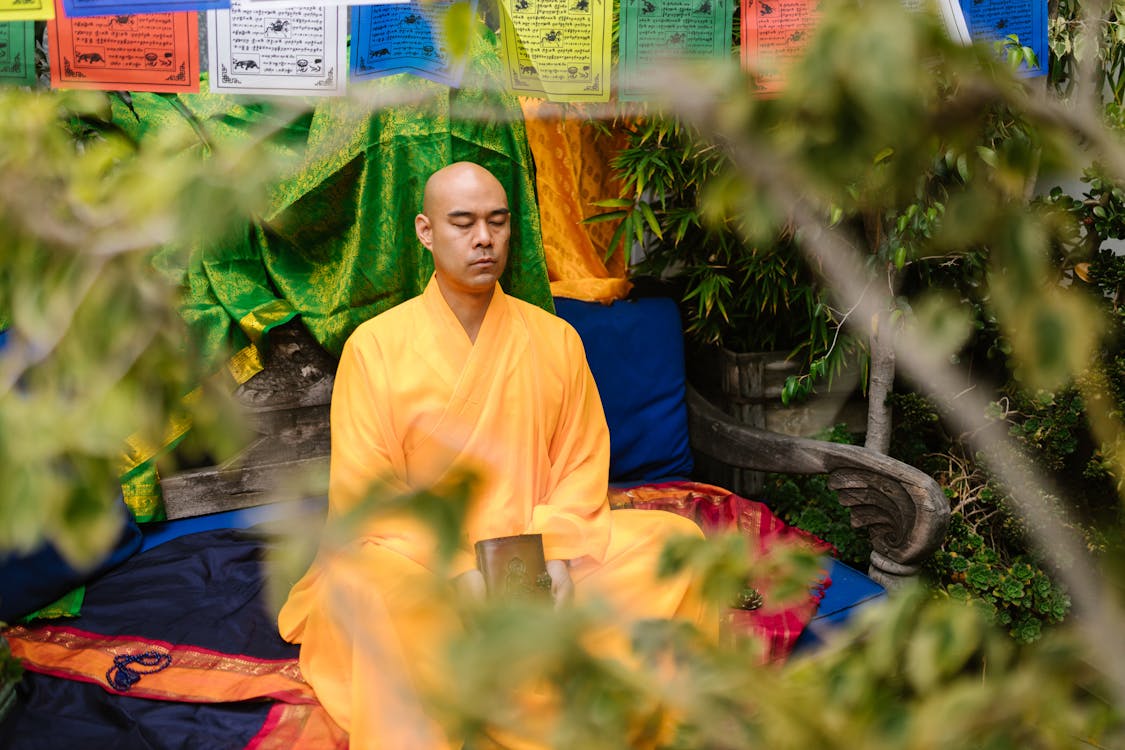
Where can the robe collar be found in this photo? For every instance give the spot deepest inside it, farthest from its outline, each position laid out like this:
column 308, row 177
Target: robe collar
column 449, row 348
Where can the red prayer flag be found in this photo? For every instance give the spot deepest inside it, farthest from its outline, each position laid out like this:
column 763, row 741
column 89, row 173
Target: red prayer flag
column 141, row 52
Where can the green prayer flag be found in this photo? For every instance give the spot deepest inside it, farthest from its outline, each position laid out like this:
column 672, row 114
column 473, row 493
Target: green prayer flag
column 17, row 53
column 654, row 33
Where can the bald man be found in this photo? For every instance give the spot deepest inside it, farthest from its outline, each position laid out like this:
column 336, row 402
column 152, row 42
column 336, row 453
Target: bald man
column 462, row 377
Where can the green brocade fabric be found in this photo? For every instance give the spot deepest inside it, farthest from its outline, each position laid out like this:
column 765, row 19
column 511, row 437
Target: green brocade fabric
column 337, row 245
column 68, row 605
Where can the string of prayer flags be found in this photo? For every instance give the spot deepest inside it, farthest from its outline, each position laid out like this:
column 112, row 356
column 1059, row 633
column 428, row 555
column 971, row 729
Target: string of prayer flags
column 658, row 32
column 409, row 38
column 17, row 53
column 85, row 8
column 1000, row 19
column 775, row 32
column 557, row 49
column 290, row 3
column 26, row 10
column 146, row 52
column 295, row 50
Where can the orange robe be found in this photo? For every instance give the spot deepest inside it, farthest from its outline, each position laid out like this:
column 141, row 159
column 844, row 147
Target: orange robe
column 414, row 400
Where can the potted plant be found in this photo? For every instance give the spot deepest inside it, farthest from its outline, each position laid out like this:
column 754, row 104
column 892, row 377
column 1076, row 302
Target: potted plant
column 757, row 326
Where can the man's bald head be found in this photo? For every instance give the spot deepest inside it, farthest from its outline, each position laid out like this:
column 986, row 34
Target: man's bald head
column 457, row 178
column 465, row 223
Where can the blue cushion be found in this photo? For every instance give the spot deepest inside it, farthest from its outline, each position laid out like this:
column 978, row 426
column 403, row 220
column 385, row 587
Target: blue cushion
column 635, row 350
column 308, row 511
column 849, row 592
column 31, row 581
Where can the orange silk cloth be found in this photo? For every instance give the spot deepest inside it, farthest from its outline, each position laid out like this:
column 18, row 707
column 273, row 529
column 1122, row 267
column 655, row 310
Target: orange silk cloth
column 572, row 170
column 192, row 675
column 415, row 400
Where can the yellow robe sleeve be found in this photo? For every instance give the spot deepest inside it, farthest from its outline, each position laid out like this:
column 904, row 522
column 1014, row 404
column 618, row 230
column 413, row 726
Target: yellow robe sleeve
column 575, row 518
column 362, row 451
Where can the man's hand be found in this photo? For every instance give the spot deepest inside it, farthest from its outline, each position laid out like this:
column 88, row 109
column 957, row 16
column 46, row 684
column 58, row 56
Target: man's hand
column 470, row 585
column 562, row 586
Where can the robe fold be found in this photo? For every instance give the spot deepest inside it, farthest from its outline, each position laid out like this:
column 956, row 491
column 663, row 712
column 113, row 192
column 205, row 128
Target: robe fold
column 414, row 401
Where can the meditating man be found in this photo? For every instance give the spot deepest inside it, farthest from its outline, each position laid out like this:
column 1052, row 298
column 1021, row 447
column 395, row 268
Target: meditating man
column 462, row 377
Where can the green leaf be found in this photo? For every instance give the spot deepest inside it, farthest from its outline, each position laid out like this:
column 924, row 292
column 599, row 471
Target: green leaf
column 608, row 216
column 650, row 217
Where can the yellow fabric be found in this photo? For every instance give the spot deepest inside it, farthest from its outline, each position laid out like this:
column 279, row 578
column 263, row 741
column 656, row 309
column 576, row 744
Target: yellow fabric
column 572, row 171
column 415, row 400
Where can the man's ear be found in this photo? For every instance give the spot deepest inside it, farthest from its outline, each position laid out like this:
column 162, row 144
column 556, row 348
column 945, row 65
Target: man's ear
column 424, row 230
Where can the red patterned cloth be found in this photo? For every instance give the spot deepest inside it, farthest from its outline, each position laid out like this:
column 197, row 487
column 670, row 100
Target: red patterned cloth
column 776, row 626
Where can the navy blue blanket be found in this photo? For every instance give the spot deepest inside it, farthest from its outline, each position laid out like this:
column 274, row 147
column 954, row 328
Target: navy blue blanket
column 204, row 590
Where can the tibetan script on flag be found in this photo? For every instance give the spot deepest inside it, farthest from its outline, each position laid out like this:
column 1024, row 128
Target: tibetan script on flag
column 558, row 49
column 292, row 50
column 26, row 10
column 148, row 52
column 17, row 53
column 775, row 32
column 998, row 19
column 660, row 32
column 405, row 38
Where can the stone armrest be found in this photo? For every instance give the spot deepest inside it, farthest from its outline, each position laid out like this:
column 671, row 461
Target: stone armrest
column 904, row 510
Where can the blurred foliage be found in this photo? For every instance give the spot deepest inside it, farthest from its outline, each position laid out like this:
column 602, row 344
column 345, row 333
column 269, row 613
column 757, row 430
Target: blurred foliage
column 10, row 668
column 918, row 671
column 96, row 353
column 922, row 153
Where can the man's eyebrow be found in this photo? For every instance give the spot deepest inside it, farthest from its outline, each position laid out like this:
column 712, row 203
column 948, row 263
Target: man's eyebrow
column 461, row 214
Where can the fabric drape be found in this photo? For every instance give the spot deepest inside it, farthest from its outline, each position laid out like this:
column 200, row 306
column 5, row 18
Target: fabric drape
column 573, row 170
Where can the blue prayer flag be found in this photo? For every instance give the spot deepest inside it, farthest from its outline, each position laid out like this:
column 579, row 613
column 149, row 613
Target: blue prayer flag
column 405, row 38
column 991, row 20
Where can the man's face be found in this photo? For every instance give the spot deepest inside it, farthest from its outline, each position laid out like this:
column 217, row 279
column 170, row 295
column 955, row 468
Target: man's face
column 466, row 225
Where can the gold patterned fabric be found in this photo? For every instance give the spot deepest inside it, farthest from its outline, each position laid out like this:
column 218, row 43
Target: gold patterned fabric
column 572, row 171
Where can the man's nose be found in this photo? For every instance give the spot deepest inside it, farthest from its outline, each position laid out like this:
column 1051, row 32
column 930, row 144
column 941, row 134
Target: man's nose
column 482, row 237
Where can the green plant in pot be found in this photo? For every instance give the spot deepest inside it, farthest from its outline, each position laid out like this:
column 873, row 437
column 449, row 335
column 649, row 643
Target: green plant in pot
column 750, row 307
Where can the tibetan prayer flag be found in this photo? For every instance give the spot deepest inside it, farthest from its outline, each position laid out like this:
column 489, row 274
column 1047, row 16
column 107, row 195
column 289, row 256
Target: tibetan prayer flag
column 296, row 50
column 1026, row 20
column 17, row 53
column 668, row 32
column 145, row 52
column 26, row 10
column 407, row 38
column 83, row 8
column 775, row 32
column 558, row 49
